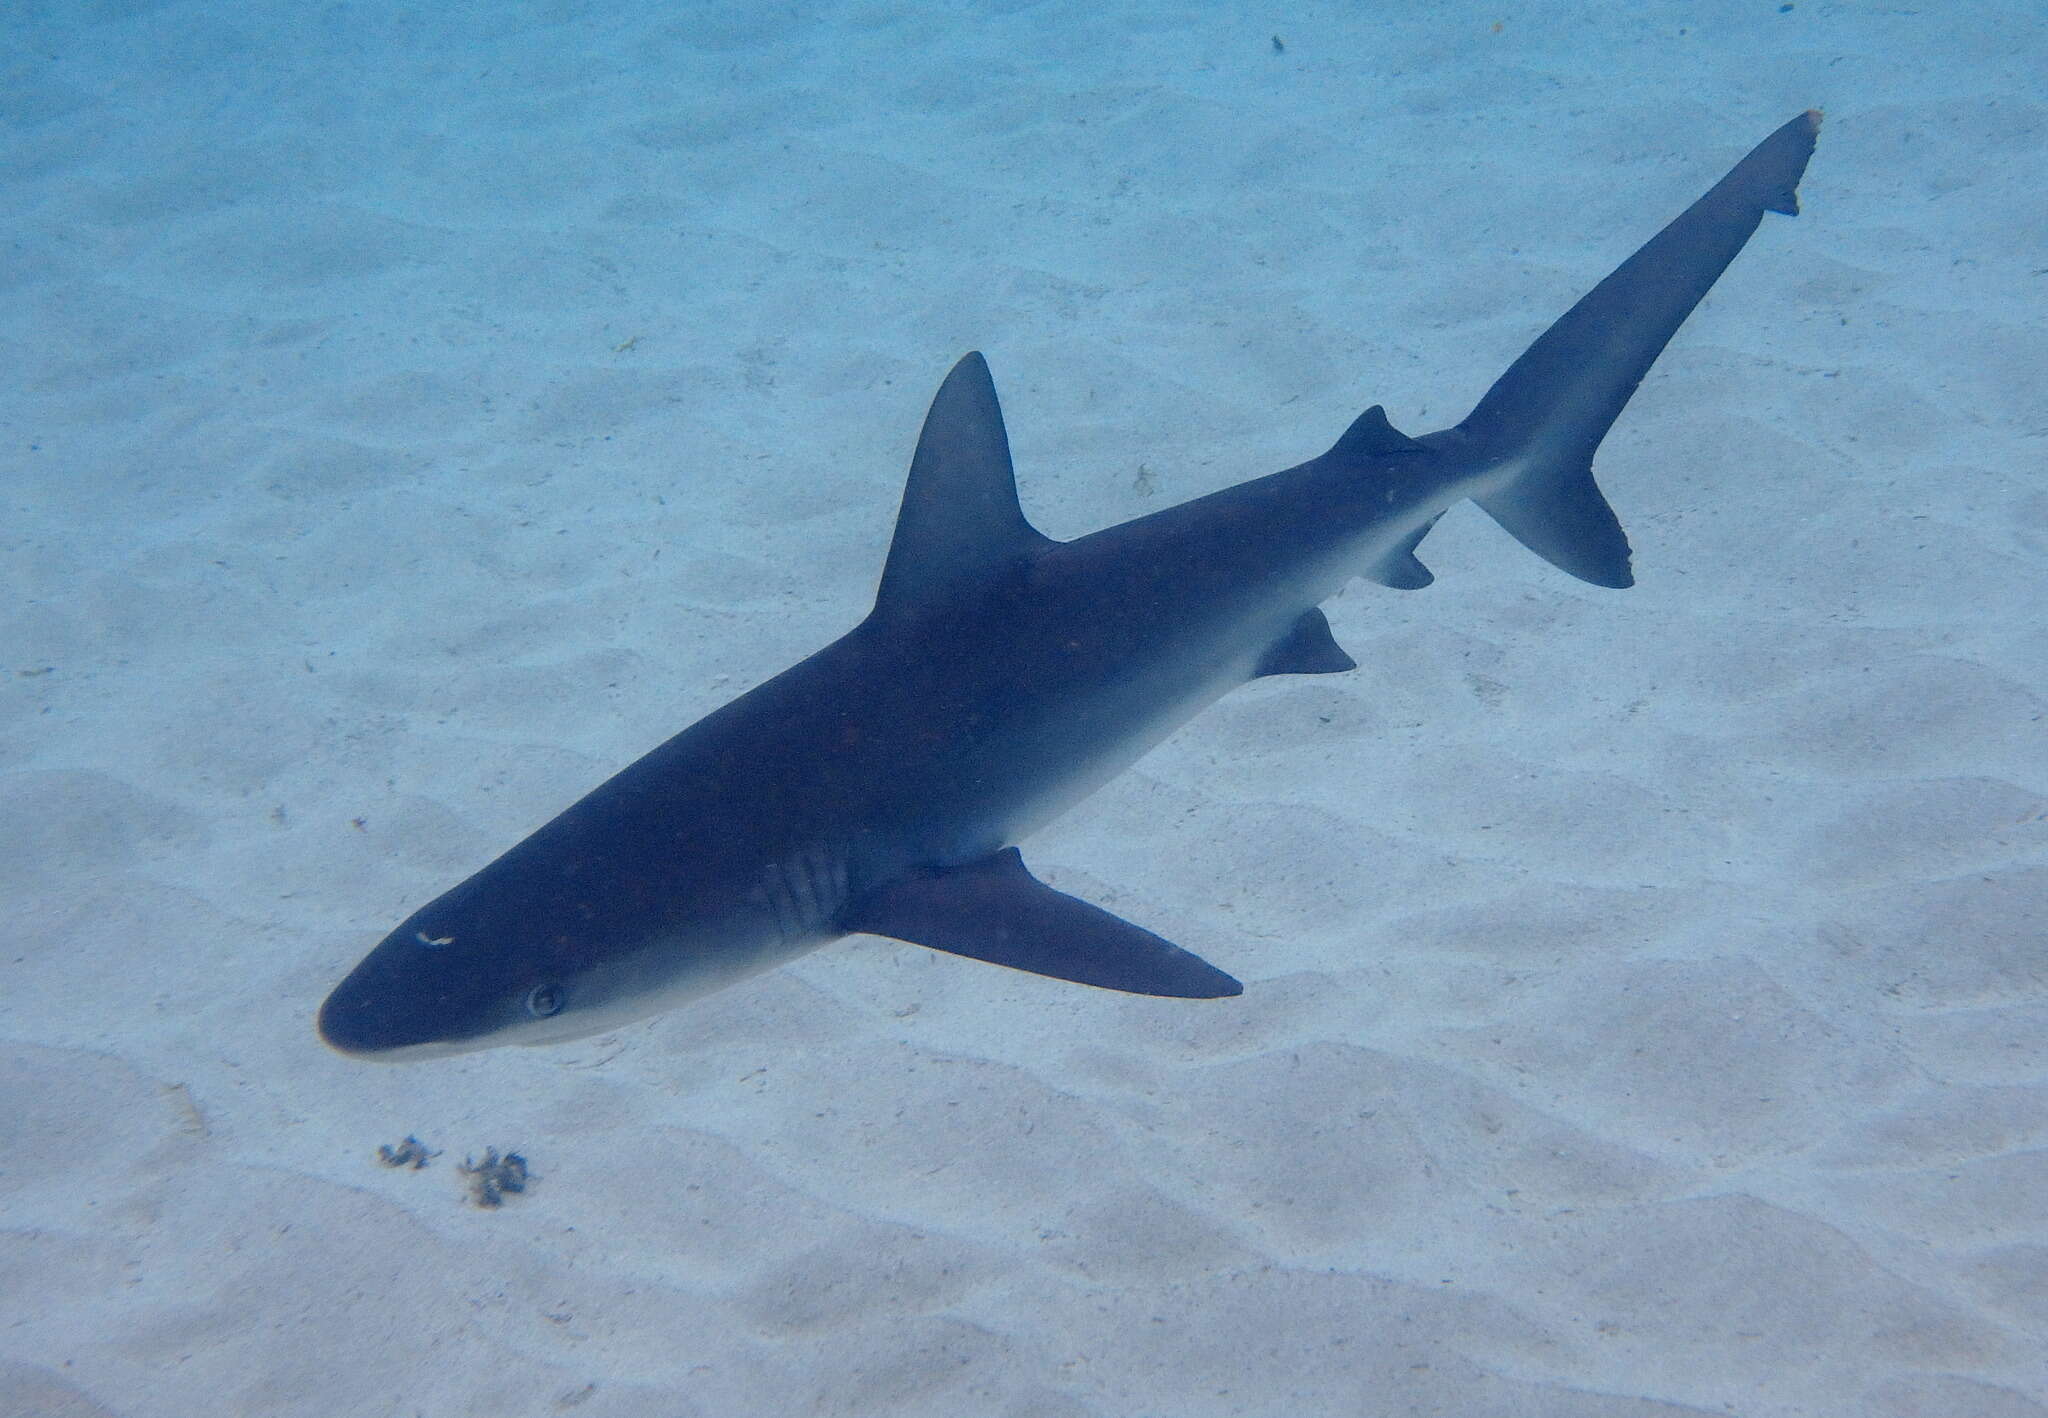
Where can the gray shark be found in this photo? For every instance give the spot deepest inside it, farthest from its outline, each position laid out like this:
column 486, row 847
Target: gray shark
column 881, row 785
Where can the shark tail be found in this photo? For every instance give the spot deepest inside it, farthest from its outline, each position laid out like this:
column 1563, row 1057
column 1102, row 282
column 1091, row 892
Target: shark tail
column 1543, row 419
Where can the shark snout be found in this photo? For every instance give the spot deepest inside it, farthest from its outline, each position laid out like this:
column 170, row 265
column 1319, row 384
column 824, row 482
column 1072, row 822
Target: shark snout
column 389, row 1009
column 352, row 1024
column 347, row 1028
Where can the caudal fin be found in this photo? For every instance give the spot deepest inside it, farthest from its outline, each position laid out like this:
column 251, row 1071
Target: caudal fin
column 1548, row 413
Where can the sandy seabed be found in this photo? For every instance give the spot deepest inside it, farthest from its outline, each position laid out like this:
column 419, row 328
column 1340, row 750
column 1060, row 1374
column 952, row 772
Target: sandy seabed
column 413, row 414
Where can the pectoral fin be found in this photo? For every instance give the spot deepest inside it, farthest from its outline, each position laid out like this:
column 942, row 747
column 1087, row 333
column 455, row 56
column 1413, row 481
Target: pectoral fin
column 995, row 910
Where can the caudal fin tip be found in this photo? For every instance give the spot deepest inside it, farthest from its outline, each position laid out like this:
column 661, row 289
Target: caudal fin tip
column 1779, row 162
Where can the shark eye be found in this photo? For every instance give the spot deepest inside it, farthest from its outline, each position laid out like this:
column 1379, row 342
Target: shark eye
column 544, row 1000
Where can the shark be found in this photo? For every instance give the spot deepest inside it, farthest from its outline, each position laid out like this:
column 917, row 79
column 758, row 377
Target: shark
column 882, row 785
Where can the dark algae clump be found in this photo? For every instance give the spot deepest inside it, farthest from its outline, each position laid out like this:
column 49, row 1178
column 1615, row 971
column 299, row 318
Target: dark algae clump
column 493, row 1178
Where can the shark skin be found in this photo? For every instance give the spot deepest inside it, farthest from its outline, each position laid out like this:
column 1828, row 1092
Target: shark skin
column 881, row 785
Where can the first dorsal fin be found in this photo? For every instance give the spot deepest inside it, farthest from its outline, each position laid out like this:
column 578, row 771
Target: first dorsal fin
column 960, row 524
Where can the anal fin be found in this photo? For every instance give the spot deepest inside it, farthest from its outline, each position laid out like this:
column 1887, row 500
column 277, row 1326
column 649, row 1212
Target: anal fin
column 995, row 910
column 1400, row 569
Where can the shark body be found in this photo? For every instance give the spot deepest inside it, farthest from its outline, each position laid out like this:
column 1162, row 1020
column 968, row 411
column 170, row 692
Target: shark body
column 882, row 784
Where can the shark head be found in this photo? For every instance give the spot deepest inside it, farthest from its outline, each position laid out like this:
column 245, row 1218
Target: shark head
column 435, row 986
column 551, row 943
column 442, row 984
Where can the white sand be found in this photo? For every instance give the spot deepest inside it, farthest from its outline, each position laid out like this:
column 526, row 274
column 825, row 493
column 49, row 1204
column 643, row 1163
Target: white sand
column 413, row 413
